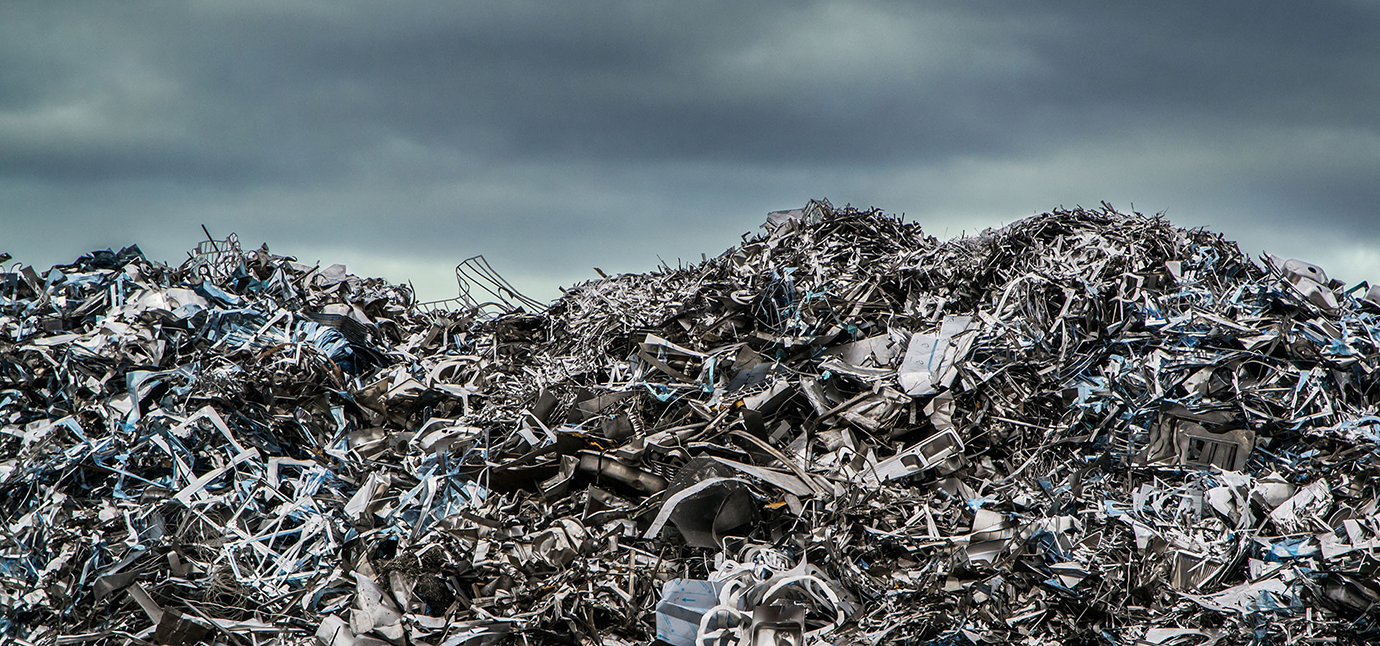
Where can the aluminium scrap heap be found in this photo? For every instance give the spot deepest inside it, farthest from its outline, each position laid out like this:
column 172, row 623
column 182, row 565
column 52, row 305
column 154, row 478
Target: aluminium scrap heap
column 1084, row 427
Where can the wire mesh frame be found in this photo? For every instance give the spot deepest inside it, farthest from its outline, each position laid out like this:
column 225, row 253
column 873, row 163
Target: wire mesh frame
column 217, row 257
column 475, row 272
column 476, row 279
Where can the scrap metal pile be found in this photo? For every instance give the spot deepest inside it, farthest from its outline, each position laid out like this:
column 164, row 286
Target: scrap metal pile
column 1084, row 427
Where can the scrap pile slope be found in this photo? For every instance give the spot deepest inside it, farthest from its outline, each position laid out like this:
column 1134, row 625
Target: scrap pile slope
column 1084, row 427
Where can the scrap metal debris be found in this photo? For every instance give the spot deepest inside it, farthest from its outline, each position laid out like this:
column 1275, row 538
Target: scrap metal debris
column 1085, row 427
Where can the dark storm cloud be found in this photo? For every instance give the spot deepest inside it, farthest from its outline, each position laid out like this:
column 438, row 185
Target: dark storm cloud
column 556, row 136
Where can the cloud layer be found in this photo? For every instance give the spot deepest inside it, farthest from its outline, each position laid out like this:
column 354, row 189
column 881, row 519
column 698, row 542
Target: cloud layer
column 552, row 137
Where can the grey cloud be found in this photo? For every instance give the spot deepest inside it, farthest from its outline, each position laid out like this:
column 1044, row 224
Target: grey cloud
column 559, row 136
column 769, row 87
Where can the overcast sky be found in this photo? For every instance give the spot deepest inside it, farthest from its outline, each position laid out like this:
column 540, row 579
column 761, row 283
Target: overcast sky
column 402, row 137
